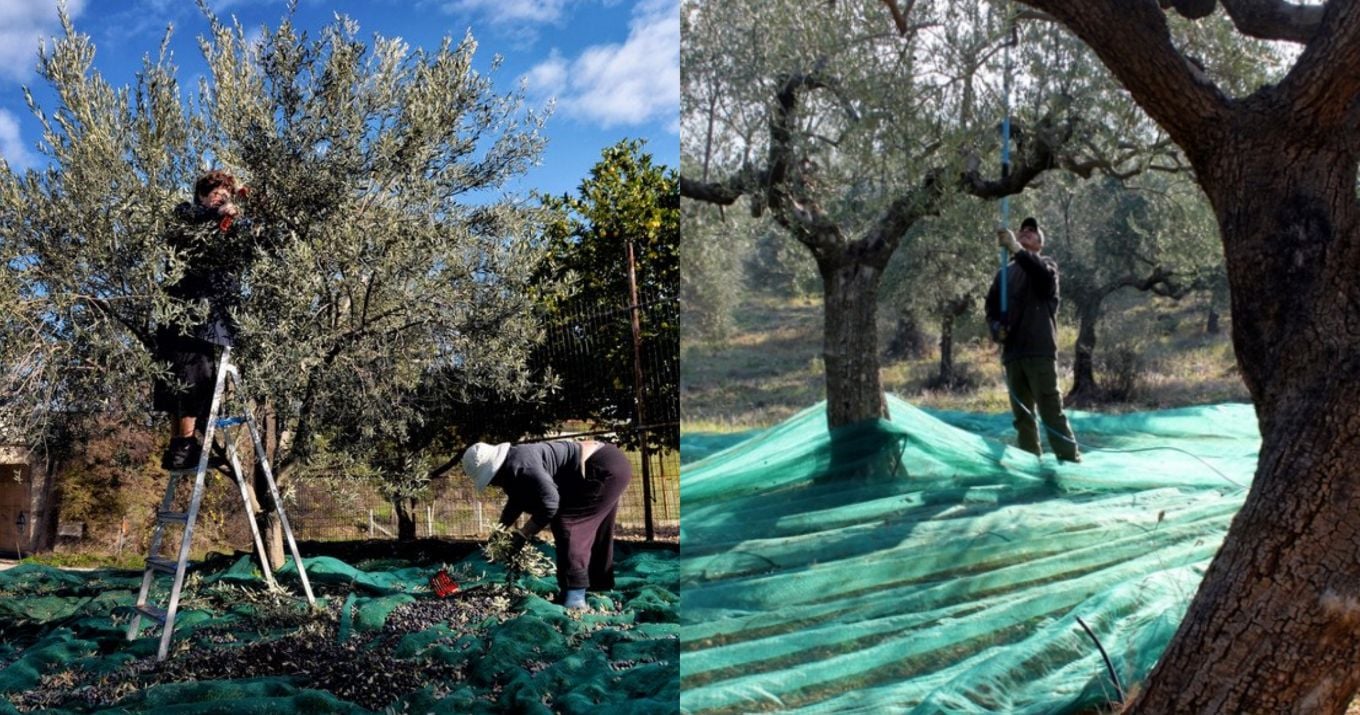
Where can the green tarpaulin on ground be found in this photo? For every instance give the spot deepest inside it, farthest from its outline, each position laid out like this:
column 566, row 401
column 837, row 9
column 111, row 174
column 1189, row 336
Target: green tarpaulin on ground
column 921, row 565
column 61, row 631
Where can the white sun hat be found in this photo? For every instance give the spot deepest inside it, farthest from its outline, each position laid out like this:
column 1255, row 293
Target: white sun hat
column 481, row 461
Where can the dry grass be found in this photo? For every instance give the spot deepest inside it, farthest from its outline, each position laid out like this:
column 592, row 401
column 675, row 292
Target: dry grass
column 771, row 368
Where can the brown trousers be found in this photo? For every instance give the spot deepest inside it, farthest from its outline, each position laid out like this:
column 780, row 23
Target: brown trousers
column 583, row 529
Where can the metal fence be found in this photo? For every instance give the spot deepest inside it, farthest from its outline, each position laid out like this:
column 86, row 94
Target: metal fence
column 319, row 512
column 621, row 363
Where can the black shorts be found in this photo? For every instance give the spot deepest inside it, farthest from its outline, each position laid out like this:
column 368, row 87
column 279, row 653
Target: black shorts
column 193, row 375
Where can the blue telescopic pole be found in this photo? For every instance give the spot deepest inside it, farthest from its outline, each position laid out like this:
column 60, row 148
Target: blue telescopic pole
column 1006, row 159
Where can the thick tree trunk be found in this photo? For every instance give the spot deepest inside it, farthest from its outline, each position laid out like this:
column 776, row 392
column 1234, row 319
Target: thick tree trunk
column 1275, row 627
column 1085, row 390
column 406, row 518
column 946, row 374
column 850, row 347
column 271, row 528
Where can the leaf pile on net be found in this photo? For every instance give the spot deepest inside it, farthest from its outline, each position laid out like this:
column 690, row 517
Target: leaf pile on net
column 364, row 669
column 382, row 644
column 526, row 560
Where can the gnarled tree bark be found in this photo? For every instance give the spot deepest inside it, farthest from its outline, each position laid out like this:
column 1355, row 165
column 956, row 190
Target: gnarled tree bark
column 1275, row 626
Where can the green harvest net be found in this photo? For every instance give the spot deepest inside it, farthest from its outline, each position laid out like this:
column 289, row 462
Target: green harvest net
column 380, row 641
column 921, row 565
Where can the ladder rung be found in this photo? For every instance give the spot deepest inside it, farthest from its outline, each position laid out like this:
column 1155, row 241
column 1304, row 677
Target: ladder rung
column 183, row 472
column 161, row 565
column 157, row 614
column 172, row 517
column 230, row 422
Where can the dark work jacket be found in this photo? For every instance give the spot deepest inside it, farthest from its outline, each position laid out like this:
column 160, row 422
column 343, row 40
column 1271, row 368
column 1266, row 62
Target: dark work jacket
column 215, row 260
column 532, row 475
column 1032, row 306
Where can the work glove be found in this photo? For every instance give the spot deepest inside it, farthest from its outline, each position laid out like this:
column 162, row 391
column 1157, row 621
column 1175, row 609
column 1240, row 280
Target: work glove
column 1007, row 240
column 998, row 330
column 517, row 541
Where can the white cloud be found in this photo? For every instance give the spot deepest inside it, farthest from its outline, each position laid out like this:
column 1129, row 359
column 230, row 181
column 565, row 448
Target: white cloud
column 509, row 12
column 629, row 83
column 12, row 146
column 222, row 7
column 547, row 76
column 24, row 24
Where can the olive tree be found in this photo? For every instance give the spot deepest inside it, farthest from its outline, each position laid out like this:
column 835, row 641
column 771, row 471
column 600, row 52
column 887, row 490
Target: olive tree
column 373, row 171
column 1273, row 626
column 1152, row 234
column 849, row 124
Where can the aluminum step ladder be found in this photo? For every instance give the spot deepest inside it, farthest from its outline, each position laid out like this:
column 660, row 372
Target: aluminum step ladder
column 165, row 516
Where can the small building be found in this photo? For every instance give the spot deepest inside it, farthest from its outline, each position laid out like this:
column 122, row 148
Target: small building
column 20, row 499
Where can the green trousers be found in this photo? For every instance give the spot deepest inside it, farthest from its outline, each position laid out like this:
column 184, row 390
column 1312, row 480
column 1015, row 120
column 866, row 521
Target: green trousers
column 1034, row 388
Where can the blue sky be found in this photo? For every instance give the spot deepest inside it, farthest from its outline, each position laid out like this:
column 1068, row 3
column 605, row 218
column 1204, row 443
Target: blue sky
column 611, row 66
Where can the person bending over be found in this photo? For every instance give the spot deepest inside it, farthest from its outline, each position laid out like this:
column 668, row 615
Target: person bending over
column 571, row 487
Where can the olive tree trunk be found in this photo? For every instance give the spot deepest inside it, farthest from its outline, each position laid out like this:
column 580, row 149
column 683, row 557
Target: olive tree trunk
column 267, row 518
column 950, row 312
column 854, row 390
column 406, row 518
column 1275, row 626
column 1084, row 386
column 1085, row 390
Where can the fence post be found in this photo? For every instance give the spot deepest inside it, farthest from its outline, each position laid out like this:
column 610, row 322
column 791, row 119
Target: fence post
column 635, row 311
column 370, row 523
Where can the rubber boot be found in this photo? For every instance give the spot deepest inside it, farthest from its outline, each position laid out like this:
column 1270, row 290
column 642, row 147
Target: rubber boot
column 182, row 454
column 574, row 599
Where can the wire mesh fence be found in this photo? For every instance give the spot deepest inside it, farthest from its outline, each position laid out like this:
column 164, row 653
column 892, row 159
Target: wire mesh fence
column 619, row 366
column 318, row 512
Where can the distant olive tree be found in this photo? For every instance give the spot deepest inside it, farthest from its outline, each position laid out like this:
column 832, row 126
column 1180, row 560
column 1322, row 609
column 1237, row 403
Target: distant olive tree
column 1154, row 234
column 373, row 171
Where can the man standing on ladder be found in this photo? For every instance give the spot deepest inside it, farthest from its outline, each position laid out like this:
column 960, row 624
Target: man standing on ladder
column 217, row 249
column 1027, row 328
column 213, row 243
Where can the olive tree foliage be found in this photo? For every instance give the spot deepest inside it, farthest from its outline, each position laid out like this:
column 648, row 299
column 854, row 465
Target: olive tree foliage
column 81, row 241
column 370, row 168
column 711, row 274
column 1154, row 233
column 940, row 279
column 781, row 104
column 849, row 123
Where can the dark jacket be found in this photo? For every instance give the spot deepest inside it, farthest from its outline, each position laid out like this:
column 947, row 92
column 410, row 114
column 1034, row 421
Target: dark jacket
column 533, row 475
column 215, row 259
column 1031, row 319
